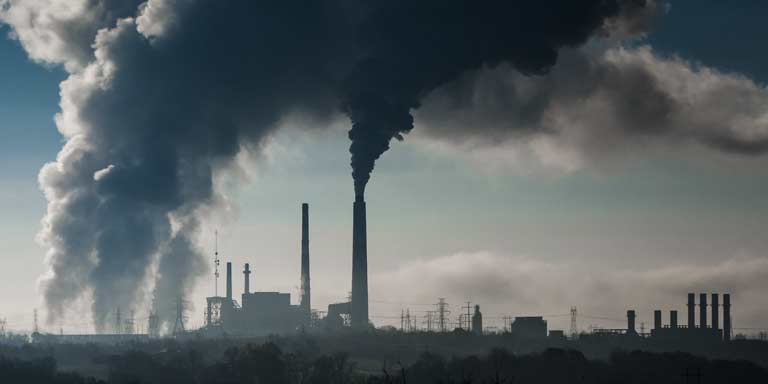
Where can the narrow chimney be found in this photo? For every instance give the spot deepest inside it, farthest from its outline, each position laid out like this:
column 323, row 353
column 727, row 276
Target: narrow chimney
column 715, row 313
column 673, row 319
column 657, row 319
column 247, row 278
column 631, row 323
column 703, row 310
column 305, row 304
column 727, row 317
column 359, row 266
column 691, row 310
column 229, row 281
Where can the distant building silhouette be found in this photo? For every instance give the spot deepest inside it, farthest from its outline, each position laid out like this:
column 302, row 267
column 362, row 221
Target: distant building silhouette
column 477, row 321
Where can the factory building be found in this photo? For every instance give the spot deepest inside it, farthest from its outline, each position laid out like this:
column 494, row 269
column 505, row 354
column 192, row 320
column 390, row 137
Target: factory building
column 261, row 313
column 529, row 327
column 705, row 331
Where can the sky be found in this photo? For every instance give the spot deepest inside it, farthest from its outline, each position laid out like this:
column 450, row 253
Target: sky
column 517, row 229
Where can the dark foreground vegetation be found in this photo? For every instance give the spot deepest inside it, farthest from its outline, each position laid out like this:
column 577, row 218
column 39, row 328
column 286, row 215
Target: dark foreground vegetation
column 267, row 363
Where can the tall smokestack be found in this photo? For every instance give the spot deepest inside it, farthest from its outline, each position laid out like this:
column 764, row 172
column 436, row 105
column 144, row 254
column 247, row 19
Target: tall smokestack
column 359, row 266
column 247, row 278
column 715, row 313
column 673, row 319
column 727, row 317
column 229, row 281
column 703, row 310
column 631, row 322
column 691, row 310
column 305, row 304
column 657, row 319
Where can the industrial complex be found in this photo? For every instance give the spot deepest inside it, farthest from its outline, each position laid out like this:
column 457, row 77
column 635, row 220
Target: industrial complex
column 259, row 313
column 267, row 313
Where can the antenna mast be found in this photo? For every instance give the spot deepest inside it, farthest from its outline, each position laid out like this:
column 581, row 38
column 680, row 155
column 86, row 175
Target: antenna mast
column 216, row 264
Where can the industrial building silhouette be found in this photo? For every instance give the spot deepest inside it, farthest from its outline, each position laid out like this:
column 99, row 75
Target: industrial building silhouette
column 260, row 313
column 263, row 313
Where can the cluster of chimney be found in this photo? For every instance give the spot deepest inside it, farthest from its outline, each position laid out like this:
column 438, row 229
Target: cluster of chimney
column 703, row 324
column 715, row 312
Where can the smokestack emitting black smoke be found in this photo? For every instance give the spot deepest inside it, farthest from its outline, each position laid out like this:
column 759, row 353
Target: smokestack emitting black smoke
column 157, row 102
column 359, row 304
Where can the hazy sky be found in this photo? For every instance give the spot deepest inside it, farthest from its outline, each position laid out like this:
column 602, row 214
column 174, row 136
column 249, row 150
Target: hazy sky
column 517, row 233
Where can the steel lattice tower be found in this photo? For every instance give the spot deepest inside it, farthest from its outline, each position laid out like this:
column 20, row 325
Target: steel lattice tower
column 574, row 329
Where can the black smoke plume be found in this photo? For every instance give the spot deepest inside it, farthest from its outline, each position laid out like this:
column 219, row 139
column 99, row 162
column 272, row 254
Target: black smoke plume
column 412, row 47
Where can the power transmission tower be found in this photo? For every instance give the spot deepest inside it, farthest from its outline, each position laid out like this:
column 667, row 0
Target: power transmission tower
column 118, row 322
column 442, row 312
column 129, row 324
column 408, row 320
column 507, row 323
column 428, row 318
column 574, row 329
column 153, row 328
column 216, row 264
column 178, row 325
column 468, row 318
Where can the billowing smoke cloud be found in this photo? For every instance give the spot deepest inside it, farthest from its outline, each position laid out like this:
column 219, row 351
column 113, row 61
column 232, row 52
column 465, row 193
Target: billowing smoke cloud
column 595, row 104
column 411, row 48
column 165, row 99
column 62, row 32
column 163, row 93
